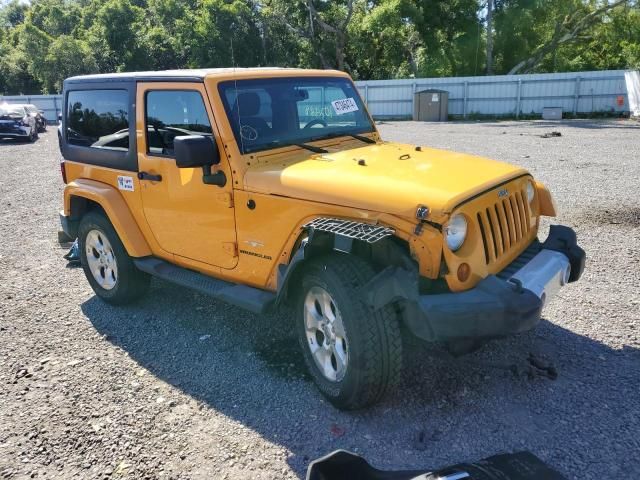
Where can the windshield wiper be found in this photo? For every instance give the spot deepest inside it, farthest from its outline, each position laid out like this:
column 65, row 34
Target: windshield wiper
column 361, row 138
column 344, row 134
column 280, row 143
column 311, row 148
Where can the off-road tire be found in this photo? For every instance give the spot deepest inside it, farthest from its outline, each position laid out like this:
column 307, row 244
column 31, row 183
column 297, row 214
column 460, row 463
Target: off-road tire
column 131, row 283
column 373, row 338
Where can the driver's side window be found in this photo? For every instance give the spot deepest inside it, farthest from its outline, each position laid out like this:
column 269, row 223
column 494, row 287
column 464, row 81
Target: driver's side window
column 172, row 113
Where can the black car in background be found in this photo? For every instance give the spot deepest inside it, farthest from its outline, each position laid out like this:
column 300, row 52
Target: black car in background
column 16, row 122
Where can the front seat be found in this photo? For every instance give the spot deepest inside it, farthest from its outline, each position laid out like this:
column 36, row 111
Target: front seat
column 245, row 113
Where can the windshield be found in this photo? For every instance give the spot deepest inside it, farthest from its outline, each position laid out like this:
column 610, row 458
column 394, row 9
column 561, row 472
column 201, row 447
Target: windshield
column 276, row 112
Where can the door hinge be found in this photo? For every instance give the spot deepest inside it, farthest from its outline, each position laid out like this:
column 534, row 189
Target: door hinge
column 231, row 248
column 226, row 199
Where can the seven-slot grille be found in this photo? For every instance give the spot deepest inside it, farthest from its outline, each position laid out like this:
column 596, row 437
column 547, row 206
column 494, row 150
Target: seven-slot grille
column 504, row 225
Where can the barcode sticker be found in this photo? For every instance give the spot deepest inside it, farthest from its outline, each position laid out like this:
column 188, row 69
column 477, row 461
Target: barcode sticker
column 125, row 183
column 346, row 105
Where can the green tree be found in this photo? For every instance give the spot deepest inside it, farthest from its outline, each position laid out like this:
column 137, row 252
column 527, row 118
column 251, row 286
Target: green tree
column 612, row 44
column 55, row 17
column 15, row 78
column 286, row 42
column 66, row 57
column 453, row 36
column 550, row 35
column 32, row 47
column 385, row 41
column 224, row 33
column 42, row 41
column 13, row 13
column 114, row 35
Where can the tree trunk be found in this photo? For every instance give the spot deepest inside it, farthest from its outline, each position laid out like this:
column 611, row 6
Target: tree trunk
column 568, row 30
column 339, row 31
column 490, row 37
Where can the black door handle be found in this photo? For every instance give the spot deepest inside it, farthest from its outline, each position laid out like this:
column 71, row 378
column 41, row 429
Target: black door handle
column 149, row 176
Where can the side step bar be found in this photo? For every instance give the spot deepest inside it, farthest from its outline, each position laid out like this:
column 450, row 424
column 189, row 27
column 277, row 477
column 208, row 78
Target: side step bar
column 249, row 298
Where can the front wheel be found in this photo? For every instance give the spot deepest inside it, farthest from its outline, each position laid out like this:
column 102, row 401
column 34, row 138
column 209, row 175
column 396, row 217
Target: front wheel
column 106, row 264
column 354, row 354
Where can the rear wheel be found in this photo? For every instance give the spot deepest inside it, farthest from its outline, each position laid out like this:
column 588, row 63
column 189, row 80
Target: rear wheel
column 106, row 264
column 354, row 354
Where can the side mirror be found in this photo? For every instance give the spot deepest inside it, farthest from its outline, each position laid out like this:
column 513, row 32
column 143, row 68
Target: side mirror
column 195, row 151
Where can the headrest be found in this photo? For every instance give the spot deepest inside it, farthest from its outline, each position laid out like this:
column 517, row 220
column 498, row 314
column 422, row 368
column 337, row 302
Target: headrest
column 248, row 104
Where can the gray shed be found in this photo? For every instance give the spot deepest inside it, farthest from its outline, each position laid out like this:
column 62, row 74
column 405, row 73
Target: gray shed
column 431, row 105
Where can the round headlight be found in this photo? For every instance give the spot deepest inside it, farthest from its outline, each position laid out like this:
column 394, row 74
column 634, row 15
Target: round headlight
column 531, row 191
column 455, row 232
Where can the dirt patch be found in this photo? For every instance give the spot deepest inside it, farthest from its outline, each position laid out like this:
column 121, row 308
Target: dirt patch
column 625, row 216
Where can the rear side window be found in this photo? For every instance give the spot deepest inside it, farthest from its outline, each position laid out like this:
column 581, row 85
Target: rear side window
column 98, row 119
column 172, row 113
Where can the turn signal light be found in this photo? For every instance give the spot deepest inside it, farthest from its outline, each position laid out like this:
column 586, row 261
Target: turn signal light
column 464, row 270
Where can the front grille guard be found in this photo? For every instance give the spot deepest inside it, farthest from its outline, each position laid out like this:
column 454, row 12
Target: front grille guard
column 365, row 232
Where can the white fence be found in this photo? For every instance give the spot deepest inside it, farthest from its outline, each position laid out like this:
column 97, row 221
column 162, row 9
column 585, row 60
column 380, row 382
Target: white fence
column 509, row 95
column 614, row 91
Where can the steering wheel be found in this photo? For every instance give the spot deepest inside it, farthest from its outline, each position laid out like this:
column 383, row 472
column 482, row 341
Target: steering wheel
column 317, row 121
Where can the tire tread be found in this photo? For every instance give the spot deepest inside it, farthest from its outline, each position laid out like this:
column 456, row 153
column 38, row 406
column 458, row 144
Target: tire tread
column 380, row 329
column 133, row 282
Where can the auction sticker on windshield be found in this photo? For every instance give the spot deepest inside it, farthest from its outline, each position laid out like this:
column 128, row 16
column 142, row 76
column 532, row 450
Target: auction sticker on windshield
column 346, row 105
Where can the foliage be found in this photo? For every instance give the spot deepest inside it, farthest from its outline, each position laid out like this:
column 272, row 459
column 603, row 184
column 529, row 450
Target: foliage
column 44, row 41
column 386, row 41
column 452, row 33
column 225, row 33
column 526, row 26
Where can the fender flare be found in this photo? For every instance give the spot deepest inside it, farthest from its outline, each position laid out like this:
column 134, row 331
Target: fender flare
column 547, row 204
column 116, row 210
column 286, row 271
column 403, row 278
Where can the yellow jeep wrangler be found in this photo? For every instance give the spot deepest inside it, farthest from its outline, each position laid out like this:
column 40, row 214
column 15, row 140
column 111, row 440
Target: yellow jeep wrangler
column 264, row 187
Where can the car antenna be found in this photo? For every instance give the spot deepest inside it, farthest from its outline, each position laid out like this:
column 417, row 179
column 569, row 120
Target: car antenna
column 235, row 85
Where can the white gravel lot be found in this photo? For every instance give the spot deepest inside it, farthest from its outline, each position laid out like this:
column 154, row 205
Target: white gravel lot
column 180, row 386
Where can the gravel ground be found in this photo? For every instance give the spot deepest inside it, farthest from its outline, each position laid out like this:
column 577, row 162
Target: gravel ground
column 180, row 386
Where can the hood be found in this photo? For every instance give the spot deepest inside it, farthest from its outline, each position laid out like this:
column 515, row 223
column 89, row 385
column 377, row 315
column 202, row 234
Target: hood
column 389, row 178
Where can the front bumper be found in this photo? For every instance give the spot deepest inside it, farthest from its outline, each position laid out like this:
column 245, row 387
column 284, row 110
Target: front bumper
column 503, row 304
column 15, row 132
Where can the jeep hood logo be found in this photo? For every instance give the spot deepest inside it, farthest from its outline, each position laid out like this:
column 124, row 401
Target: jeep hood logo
column 503, row 193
